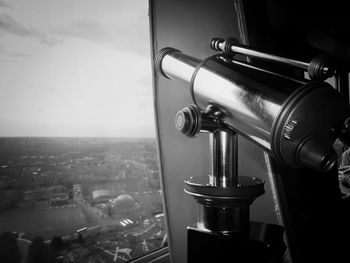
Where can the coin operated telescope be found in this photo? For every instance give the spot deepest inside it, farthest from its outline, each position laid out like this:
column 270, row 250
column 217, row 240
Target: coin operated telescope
column 295, row 120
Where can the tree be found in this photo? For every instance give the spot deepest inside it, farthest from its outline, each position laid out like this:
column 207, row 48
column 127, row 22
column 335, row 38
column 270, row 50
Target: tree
column 57, row 243
column 53, row 251
column 36, row 251
column 80, row 239
column 9, row 252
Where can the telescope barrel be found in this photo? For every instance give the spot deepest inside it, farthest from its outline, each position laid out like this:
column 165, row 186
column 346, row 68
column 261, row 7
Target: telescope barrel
column 176, row 65
column 295, row 120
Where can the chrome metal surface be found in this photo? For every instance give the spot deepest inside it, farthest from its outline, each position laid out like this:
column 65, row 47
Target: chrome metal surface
column 178, row 66
column 248, row 188
column 276, row 112
column 249, row 99
column 224, row 171
column 224, row 210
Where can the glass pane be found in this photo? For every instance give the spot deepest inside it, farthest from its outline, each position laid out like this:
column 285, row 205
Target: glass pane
column 79, row 174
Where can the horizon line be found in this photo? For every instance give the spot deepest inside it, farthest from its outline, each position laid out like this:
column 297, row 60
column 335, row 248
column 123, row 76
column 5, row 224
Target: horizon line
column 87, row 137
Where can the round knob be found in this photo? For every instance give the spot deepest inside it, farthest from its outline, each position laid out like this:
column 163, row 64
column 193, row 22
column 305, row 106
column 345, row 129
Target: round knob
column 321, row 68
column 189, row 120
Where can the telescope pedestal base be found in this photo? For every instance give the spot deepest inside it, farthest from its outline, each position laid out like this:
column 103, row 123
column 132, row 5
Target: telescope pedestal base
column 264, row 245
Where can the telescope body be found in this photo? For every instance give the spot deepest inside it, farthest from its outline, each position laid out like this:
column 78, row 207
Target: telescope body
column 297, row 121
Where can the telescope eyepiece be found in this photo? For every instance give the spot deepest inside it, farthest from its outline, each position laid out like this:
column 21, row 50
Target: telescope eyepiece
column 313, row 154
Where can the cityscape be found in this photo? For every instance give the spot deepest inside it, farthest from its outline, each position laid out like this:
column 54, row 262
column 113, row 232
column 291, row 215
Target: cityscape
column 79, row 199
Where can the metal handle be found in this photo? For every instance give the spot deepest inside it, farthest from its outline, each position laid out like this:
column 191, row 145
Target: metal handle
column 319, row 68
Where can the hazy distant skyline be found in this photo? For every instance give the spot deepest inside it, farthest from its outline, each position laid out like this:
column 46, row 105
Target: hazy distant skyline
column 75, row 68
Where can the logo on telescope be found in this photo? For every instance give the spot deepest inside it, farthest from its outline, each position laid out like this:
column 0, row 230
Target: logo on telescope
column 288, row 129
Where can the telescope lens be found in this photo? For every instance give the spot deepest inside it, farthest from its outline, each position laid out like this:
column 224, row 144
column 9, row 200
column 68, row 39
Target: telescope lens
column 180, row 121
column 313, row 154
column 327, row 162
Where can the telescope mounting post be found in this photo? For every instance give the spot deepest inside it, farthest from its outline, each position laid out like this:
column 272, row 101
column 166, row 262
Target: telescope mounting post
column 223, row 196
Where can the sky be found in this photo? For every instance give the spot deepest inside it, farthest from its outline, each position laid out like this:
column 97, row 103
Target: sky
column 75, row 68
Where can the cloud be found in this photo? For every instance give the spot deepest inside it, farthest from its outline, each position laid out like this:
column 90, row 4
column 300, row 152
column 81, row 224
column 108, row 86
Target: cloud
column 8, row 61
column 5, row 5
column 14, row 54
column 128, row 37
column 11, row 26
column 17, row 54
column 88, row 30
column 18, row 107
